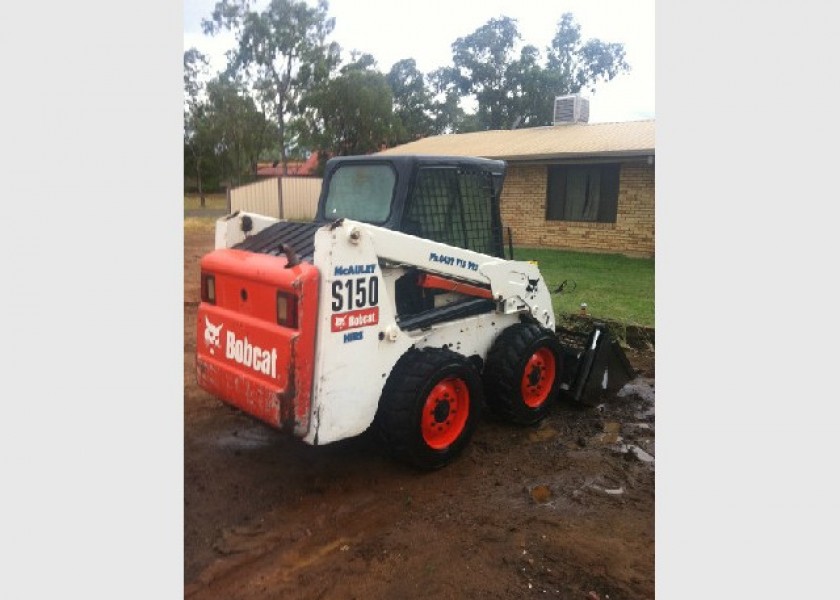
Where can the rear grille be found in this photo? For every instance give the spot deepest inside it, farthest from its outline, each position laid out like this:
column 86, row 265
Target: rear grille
column 300, row 236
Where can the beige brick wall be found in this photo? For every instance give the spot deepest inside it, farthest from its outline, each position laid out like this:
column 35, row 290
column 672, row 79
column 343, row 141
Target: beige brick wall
column 523, row 210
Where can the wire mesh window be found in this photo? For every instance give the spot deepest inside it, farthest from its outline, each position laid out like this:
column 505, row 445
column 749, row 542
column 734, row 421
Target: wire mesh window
column 455, row 206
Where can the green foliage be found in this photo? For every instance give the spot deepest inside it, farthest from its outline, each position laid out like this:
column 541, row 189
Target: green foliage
column 573, row 65
column 448, row 115
column 516, row 90
column 198, row 136
column 224, row 130
column 412, row 100
column 281, row 50
column 240, row 130
column 351, row 114
column 484, row 61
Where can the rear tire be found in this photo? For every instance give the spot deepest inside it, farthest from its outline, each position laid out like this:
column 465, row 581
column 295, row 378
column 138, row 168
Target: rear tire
column 523, row 372
column 430, row 407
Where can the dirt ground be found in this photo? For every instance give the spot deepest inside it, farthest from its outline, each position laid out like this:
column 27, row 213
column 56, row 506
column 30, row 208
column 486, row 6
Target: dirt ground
column 565, row 509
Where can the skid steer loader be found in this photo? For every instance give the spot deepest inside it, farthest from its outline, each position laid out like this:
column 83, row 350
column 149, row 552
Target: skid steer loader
column 396, row 309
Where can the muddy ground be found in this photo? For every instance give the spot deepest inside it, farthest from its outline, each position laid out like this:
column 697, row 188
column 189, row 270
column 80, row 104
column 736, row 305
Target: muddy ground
column 565, row 509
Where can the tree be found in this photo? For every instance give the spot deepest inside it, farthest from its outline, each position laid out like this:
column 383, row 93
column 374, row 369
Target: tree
column 352, row 113
column 483, row 61
column 448, row 116
column 198, row 138
column 515, row 89
column 574, row 64
column 413, row 101
column 240, row 130
column 283, row 49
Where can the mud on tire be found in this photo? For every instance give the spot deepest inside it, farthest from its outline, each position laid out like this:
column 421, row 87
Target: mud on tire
column 429, row 407
column 522, row 373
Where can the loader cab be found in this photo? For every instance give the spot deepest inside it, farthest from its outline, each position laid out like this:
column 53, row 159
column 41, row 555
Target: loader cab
column 453, row 200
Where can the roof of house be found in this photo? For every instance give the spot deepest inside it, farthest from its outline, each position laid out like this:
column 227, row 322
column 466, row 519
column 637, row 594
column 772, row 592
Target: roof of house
column 293, row 167
column 624, row 139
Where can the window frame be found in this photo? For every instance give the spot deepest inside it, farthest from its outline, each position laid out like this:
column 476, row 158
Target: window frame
column 350, row 166
column 609, row 179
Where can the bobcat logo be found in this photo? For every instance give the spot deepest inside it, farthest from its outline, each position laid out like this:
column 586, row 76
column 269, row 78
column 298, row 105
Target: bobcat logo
column 340, row 321
column 212, row 334
column 533, row 286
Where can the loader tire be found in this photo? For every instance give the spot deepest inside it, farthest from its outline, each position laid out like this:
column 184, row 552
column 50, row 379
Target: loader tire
column 429, row 407
column 522, row 373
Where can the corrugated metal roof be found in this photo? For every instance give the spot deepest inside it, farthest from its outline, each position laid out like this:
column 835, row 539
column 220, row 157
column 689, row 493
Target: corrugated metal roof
column 629, row 138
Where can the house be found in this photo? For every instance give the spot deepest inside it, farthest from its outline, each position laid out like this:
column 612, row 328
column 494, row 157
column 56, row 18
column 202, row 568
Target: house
column 573, row 185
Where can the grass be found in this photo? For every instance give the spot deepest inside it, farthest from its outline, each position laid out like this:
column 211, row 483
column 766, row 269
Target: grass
column 212, row 202
column 192, row 202
column 614, row 287
column 199, row 223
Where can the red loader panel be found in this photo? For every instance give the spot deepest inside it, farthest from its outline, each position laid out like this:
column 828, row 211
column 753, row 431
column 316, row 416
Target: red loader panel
column 243, row 355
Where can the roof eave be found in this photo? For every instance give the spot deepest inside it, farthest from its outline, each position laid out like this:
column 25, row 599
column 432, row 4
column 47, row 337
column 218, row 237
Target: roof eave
column 554, row 156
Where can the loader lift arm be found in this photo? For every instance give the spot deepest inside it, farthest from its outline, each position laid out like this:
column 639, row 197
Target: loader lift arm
column 514, row 286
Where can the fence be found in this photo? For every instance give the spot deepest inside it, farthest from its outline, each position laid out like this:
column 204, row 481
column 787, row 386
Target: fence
column 300, row 197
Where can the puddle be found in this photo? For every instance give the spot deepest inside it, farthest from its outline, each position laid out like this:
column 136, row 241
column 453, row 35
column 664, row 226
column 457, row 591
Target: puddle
column 640, row 387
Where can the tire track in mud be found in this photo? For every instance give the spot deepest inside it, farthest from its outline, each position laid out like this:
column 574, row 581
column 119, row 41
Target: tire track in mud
column 270, row 556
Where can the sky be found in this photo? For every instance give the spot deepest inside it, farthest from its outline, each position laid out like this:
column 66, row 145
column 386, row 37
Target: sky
column 392, row 31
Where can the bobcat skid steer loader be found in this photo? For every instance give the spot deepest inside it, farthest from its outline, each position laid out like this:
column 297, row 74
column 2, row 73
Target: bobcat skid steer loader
column 395, row 308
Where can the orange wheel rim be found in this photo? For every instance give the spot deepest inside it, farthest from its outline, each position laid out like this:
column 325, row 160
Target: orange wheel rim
column 538, row 378
column 445, row 413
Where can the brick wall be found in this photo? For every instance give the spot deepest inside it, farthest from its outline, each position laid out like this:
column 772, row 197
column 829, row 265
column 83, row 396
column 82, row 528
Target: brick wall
column 523, row 210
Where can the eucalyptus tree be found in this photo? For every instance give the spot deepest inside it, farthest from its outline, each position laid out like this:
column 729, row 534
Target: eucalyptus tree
column 351, row 113
column 514, row 86
column 198, row 137
column 483, row 61
column 240, row 130
column 413, row 101
column 448, row 114
column 574, row 64
column 283, row 50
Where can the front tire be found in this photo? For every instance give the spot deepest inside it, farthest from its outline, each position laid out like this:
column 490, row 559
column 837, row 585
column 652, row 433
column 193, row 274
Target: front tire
column 429, row 407
column 523, row 373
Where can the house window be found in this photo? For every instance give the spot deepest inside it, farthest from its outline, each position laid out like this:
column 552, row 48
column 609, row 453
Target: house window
column 582, row 193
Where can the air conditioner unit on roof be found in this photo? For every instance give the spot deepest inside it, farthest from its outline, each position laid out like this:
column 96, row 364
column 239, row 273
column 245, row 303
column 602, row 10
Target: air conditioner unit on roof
column 571, row 109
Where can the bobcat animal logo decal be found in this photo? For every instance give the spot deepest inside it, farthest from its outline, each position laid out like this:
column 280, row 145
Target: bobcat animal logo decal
column 533, row 286
column 241, row 351
column 212, row 334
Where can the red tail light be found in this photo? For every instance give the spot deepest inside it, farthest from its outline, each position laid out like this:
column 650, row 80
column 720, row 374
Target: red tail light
column 208, row 288
column 287, row 310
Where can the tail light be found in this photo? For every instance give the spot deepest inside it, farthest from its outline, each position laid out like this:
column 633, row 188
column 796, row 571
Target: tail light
column 287, row 310
column 208, row 288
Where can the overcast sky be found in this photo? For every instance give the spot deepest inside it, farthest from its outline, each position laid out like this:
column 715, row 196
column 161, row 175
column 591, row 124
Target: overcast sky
column 391, row 31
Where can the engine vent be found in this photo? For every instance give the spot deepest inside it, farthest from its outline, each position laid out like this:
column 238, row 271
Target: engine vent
column 571, row 109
